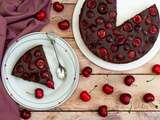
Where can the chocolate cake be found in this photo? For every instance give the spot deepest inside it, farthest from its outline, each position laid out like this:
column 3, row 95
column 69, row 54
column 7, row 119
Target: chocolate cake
column 117, row 44
column 33, row 66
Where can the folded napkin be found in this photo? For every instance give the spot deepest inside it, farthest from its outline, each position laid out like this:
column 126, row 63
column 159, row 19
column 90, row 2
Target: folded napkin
column 17, row 17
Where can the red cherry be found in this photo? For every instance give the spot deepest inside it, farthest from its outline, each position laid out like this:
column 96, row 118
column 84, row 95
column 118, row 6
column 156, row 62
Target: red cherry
column 64, row 25
column 57, row 6
column 128, row 27
column 120, row 40
column 86, row 72
column 153, row 10
column 131, row 54
column 100, row 20
column 19, row 69
column 91, row 4
column 125, row 98
column 27, row 57
column 129, row 80
column 114, row 48
column 44, row 74
column 41, row 15
column 113, row 14
column 50, row 84
column 37, row 53
column 108, row 25
column 40, row 63
column 137, row 19
column 101, row 33
column 90, row 14
column 153, row 29
column 108, row 89
column 148, row 20
column 39, row 94
column 102, row 8
column 84, row 96
column 103, row 111
column 156, row 69
column 137, row 42
column 149, row 97
column 25, row 114
column 103, row 52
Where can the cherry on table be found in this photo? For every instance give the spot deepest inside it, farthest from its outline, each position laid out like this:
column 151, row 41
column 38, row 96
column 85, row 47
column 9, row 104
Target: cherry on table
column 108, row 89
column 25, row 114
column 39, row 93
column 125, row 98
column 85, row 96
column 41, row 15
column 103, row 111
column 148, row 97
column 64, row 24
column 58, row 7
column 156, row 69
column 86, row 72
column 129, row 80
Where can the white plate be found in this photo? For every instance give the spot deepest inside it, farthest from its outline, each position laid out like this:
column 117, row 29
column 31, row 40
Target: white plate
column 18, row 89
column 104, row 64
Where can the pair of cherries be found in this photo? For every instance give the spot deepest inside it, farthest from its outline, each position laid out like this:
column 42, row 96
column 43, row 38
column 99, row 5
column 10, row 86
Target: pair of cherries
column 58, row 7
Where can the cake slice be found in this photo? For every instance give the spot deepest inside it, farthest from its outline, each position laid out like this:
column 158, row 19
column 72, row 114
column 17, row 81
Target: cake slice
column 33, row 67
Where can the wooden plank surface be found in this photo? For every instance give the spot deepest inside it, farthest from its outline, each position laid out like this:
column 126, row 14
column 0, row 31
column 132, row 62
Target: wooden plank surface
column 94, row 116
column 75, row 109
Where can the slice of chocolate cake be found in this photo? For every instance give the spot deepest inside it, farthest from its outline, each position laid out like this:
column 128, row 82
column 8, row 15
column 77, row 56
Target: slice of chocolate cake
column 33, row 66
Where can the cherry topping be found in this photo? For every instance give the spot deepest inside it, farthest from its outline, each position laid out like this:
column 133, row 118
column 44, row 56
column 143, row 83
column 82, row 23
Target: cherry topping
column 57, row 6
column 108, row 89
column 100, row 20
column 113, row 14
column 64, row 25
column 86, row 72
column 148, row 20
column 90, row 14
column 40, row 63
column 50, row 84
column 153, row 29
column 128, row 27
column 103, row 111
column 114, row 48
column 37, row 53
column 39, row 94
column 153, row 11
column 137, row 19
column 102, row 8
column 120, row 56
column 108, row 25
column 44, row 74
column 84, row 96
column 120, row 40
column 19, row 69
column 25, row 114
column 103, row 52
column 125, row 98
column 91, row 4
column 131, row 54
column 101, row 33
column 137, row 42
column 156, row 69
column 27, row 57
column 129, row 80
column 41, row 15
column 149, row 97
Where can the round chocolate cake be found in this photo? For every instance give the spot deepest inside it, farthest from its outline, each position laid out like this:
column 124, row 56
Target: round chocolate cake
column 123, row 44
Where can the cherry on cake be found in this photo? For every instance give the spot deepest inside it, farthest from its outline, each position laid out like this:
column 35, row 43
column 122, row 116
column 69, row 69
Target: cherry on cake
column 33, row 67
column 117, row 44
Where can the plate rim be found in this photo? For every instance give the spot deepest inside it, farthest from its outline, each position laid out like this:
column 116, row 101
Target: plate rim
column 101, row 63
column 69, row 92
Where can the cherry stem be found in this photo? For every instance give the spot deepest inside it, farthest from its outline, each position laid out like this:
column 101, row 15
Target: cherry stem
column 93, row 88
column 151, row 79
column 156, row 106
column 56, row 19
column 130, row 109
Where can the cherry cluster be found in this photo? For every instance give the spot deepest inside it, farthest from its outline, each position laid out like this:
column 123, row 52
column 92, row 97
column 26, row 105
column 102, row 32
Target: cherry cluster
column 124, row 98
